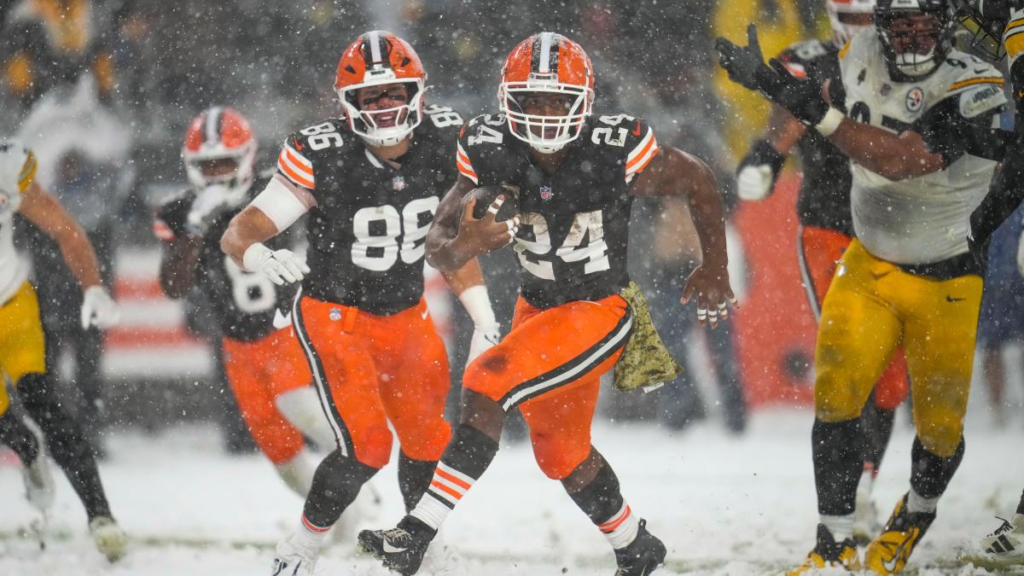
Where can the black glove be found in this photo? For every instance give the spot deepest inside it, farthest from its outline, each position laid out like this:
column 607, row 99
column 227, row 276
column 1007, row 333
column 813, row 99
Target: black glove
column 745, row 65
column 801, row 97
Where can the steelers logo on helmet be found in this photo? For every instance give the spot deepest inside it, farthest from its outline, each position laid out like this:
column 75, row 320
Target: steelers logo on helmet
column 220, row 150
column 381, row 84
column 547, row 91
column 916, row 35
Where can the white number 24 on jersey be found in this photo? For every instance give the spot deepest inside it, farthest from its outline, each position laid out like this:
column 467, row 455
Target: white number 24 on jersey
column 585, row 226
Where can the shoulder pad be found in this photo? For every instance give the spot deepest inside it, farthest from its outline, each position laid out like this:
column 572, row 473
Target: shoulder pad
column 633, row 137
column 484, row 130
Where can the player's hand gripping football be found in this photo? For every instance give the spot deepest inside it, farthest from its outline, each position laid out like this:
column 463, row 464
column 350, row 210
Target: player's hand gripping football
column 482, row 235
column 709, row 285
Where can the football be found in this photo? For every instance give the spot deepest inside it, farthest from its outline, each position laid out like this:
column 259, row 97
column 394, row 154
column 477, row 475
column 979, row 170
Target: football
column 485, row 196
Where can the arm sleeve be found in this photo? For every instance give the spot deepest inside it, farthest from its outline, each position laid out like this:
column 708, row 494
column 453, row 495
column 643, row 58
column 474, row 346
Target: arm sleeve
column 282, row 202
column 295, row 166
column 641, row 146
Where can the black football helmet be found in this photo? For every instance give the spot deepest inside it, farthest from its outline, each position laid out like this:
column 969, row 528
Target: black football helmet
column 982, row 23
column 915, row 34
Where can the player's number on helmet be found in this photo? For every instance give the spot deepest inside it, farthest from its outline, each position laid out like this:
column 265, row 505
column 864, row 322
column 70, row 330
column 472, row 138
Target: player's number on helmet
column 252, row 292
column 443, row 116
column 380, row 251
column 322, row 136
column 587, row 226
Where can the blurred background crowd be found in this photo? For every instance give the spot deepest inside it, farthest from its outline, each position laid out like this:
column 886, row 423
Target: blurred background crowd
column 103, row 91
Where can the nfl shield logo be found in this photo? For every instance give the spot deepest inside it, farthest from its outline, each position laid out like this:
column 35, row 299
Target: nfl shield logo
column 398, row 183
column 335, row 314
column 546, row 193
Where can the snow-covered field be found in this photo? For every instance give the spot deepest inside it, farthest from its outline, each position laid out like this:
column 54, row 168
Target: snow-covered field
column 723, row 505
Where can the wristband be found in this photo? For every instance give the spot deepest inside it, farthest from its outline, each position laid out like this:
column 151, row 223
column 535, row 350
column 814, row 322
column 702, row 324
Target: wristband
column 830, row 123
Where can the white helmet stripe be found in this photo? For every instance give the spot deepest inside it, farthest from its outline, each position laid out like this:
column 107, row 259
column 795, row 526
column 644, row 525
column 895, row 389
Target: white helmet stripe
column 546, row 39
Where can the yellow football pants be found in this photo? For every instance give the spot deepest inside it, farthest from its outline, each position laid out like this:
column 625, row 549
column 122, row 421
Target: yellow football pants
column 871, row 308
column 22, row 344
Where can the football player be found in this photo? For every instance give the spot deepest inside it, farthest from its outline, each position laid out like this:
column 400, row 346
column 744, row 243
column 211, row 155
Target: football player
column 997, row 29
column 576, row 176
column 826, row 228
column 22, row 356
column 370, row 183
column 264, row 364
column 908, row 277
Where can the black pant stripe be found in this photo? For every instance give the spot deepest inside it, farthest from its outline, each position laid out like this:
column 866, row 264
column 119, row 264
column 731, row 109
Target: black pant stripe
column 437, row 496
column 571, row 370
column 341, row 435
column 805, row 274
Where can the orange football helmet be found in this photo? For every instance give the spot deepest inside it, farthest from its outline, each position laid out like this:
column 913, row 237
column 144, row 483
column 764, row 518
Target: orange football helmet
column 220, row 133
column 547, row 63
column 378, row 58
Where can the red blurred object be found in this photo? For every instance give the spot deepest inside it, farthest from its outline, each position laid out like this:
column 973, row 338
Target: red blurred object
column 775, row 326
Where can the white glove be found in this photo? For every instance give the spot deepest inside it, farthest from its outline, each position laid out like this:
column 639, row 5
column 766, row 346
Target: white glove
column 209, row 204
column 754, row 182
column 99, row 309
column 1020, row 255
column 483, row 338
column 281, row 266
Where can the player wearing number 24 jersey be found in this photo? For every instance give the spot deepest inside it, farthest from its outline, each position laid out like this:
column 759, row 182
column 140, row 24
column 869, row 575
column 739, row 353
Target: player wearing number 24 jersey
column 575, row 177
column 370, row 182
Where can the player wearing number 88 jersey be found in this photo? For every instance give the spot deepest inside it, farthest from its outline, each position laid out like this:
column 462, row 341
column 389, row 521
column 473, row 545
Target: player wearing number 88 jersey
column 370, row 182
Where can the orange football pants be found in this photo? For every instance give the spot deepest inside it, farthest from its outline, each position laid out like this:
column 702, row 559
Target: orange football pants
column 820, row 250
column 259, row 372
column 369, row 369
column 550, row 366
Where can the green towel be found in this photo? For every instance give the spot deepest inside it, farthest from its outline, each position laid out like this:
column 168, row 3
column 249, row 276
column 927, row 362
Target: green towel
column 645, row 363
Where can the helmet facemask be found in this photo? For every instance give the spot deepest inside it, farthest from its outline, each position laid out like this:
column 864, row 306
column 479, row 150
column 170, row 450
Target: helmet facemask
column 386, row 126
column 545, row 133
column 209, row 168
column 915, row 42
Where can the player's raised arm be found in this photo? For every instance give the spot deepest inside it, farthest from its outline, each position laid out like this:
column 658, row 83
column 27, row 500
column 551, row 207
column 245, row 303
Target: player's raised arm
column 676, row 173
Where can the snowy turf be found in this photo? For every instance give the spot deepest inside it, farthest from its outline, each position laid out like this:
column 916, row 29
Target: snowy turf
column 722, row 505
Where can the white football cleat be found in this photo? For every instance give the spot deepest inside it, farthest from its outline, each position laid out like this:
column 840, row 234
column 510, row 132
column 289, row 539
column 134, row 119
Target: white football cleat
column 39, row 487
column 110, row 540
column 1002, row 548
column 292, row 559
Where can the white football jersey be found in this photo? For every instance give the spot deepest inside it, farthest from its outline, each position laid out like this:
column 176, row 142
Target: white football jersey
column 17, row 168
column 925, row 219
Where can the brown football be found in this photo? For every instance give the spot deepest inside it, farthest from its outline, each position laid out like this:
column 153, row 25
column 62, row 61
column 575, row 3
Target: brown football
column 485, row 196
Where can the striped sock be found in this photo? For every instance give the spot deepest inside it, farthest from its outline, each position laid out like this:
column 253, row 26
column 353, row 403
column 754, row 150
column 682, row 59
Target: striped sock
column 309, row 535
column 464, row 461
column 621, row 529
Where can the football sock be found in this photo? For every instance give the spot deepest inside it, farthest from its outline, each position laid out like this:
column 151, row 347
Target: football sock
column 838, row 463
column 930, row 474
column 602, row 502
column 841, row 527
column 465, row 459
column 876, row 425
column 336, row 485
column 14, row 433
column 67, row 444
column 414, row 477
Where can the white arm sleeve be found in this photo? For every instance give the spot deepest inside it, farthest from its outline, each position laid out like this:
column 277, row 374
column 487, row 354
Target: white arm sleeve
column 280, row 204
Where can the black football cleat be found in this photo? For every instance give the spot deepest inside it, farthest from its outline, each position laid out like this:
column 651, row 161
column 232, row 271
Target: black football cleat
column 400, row 549
column 643, row 555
